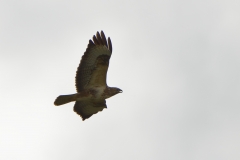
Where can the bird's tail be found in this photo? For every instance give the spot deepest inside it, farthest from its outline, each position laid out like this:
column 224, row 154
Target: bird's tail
column 63, row 99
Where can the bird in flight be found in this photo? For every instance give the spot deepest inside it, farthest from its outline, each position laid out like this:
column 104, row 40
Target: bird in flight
column 90, row 80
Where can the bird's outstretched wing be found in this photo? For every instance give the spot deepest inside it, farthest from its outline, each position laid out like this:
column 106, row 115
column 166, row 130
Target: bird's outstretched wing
column 87, row 108
column 92, row 70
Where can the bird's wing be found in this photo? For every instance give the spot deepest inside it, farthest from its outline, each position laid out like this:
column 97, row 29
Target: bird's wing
column 92, row 70
column 87, row 108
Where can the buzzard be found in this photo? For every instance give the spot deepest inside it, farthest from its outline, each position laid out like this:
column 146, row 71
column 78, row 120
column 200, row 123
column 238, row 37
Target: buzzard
column 90, row 80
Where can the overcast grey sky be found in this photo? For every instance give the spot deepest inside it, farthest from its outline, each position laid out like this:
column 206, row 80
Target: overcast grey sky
column 177, row 63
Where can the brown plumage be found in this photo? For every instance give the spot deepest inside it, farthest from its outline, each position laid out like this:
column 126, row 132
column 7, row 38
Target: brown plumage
column 91, row 85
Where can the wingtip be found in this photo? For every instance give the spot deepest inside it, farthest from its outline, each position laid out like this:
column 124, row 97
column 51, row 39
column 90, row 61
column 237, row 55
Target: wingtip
column 109, row 44
column 100, row 39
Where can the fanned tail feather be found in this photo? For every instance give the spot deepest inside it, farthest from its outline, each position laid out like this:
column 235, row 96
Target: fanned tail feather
column 63, row 99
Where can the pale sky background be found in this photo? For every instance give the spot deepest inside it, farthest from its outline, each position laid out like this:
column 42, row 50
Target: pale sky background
column 177, row 62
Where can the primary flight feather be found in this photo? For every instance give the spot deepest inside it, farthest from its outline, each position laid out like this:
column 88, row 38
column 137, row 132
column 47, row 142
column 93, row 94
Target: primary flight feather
column 91, row 85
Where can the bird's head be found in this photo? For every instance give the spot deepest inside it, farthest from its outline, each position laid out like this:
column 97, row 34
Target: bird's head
column 116, row 90
column 119, row 90
column 113, row 91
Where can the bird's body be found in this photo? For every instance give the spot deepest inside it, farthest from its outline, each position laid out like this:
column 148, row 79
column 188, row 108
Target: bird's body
column 92, row 89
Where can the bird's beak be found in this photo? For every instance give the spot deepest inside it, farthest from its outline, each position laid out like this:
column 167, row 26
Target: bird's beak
column 120, row 91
